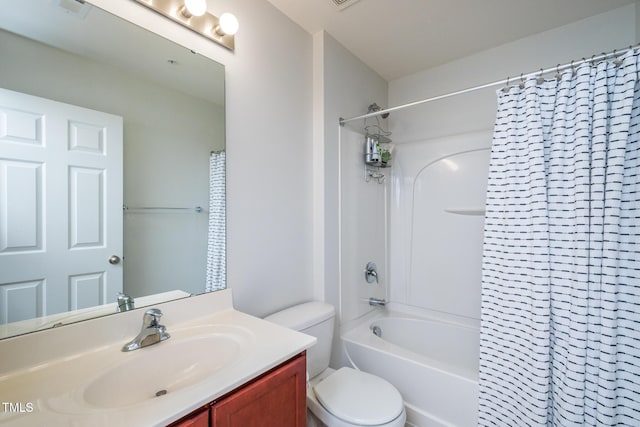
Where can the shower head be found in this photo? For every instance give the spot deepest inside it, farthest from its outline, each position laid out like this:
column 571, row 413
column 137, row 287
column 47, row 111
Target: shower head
column 375, row 107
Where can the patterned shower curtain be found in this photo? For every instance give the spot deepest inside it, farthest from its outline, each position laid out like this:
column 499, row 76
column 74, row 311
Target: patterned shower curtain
column 560, row 319
column 216, row 242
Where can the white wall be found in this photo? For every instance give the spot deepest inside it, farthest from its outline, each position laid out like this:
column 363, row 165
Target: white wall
column 445, row 127
column 269, row 148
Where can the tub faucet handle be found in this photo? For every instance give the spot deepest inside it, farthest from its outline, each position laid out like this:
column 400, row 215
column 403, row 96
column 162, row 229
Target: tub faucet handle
column 371, row 273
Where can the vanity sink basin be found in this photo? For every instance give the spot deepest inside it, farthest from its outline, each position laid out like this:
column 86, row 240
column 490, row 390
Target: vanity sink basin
column 152, row 372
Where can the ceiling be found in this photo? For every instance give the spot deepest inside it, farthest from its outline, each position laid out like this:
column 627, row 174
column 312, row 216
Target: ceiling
column 397, row 38
column 80, row 28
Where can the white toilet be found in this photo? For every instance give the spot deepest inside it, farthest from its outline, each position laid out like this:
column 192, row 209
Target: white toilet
column 346, row 397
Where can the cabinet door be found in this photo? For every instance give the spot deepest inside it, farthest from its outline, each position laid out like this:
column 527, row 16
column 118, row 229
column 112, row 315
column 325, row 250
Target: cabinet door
column 200, row 419
column 276, row 399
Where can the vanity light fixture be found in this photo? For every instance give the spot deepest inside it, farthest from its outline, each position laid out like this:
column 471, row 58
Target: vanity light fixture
column 194, row 8
column 227, row 24
column 193, row 15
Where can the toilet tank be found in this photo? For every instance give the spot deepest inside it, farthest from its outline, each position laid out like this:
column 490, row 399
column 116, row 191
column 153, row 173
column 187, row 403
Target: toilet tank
column 313, row 318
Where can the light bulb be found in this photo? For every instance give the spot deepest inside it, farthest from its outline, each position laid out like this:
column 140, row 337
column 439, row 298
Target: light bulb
column 228, row 24
column 195, row 7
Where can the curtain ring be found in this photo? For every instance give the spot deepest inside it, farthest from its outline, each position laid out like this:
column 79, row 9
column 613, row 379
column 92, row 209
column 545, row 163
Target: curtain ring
column 617, row 60
column 521, row 85
column 558, row 75
column 573, row 68
column 540, row 78
column 506, row 88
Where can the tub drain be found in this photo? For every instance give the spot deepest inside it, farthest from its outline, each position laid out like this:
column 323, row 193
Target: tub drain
column 376, row 331
column 161, row 393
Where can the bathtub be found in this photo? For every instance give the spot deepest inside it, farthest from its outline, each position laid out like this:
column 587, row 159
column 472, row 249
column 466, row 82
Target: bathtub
column 434, row 365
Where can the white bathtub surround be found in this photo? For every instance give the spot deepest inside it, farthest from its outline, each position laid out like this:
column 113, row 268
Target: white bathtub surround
column 436, row 223
column 217, row 235
column 426, row 178
column 561, row 264
column 363, row 228
column 433, row 363
column 56, row 371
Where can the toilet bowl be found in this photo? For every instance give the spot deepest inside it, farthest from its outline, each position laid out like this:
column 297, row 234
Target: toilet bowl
column 345, row 397
column 348, row 398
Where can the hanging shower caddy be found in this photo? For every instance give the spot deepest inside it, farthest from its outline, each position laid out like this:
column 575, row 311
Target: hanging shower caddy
column 377, row 152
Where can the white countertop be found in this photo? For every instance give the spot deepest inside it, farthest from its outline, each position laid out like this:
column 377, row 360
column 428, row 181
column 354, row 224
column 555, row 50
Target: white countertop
column 45, row 374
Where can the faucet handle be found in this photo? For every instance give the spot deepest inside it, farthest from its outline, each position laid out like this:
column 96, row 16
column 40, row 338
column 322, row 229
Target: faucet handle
column 151, row 318
column 370, row 273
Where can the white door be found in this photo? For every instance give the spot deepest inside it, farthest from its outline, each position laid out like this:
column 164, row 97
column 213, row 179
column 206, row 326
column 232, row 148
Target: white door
column 60, row 207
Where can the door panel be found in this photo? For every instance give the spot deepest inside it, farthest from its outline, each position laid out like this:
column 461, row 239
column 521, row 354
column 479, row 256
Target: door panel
column 20, row 206
column 21, row 126
column 21, row 299
column 86, row 214
column 88, row 290
column 87, row 137
column 61, row 190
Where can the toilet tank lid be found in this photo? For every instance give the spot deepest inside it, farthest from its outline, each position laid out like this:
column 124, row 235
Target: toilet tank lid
column 302, row 316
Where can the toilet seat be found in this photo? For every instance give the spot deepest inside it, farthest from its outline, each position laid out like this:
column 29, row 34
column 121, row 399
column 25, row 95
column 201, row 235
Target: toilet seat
column 359, row 398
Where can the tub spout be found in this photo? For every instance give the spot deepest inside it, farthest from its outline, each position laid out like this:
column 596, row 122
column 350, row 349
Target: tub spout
column 377, row 302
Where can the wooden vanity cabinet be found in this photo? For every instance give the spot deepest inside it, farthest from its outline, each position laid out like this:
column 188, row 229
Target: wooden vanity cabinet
column 199, row 418
column 276, row 398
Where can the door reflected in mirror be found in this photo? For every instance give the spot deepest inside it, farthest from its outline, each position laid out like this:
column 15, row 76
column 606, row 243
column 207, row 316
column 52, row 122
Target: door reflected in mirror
column 112, row 166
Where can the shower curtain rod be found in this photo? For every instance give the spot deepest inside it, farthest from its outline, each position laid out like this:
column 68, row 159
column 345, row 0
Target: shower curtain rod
column 506, row 81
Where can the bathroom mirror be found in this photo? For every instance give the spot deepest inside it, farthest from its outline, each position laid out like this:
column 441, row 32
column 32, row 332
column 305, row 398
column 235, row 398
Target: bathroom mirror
column 67, row 54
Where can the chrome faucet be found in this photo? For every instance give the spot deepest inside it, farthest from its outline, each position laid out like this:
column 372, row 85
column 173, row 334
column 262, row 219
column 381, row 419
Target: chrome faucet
column 377, row 302
column 125, row 302
column 152, row 331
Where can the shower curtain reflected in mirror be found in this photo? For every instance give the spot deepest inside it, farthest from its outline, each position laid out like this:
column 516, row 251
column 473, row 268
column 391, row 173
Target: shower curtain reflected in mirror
column 216, row 241
column 560, row 319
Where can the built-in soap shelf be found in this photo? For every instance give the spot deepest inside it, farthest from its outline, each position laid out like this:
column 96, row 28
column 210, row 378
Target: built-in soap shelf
column 466, row 211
